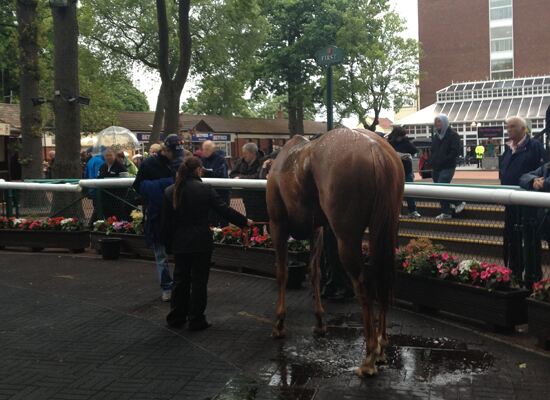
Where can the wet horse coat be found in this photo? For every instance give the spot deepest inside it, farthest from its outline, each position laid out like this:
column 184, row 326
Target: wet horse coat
column 351, row 180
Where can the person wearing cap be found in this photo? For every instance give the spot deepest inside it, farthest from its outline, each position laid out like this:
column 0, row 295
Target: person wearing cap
column 156, row 174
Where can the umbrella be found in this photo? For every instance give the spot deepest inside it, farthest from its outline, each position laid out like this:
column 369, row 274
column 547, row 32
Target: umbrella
column 116, row 136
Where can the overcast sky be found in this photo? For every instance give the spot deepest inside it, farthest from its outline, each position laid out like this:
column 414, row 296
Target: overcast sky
column 150, row 83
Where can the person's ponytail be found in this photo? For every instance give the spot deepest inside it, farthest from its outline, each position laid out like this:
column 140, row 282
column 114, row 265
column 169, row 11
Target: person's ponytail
column 186, row 171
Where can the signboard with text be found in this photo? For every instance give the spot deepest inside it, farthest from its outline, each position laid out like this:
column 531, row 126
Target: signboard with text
column 490, row 132
column 215, row 137
column 329, row 56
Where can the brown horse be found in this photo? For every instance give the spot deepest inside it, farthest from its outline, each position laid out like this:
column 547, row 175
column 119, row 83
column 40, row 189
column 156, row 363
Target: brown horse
column 350, row 180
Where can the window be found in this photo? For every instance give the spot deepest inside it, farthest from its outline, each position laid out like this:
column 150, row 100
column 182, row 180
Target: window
column 500, row 3
column 502, row 75
column 501, row 13
column 502, row 45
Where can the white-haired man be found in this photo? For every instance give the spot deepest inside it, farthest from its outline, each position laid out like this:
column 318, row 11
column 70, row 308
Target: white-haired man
column 522, row 155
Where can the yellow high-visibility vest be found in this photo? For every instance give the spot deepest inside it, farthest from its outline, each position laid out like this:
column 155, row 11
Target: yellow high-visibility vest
column 480, row 150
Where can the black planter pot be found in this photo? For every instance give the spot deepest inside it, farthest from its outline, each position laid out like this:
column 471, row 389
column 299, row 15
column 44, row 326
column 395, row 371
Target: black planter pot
column 499, row 309
column 296, row 274
column 131, row 245
column 110, row 248
column 539, row 321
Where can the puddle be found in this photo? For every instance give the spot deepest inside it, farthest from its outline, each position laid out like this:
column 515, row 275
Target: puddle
column 302, row 363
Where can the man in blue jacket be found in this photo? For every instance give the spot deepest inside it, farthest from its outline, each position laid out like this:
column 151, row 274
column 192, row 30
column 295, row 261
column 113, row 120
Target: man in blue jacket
column 156, row 174
column 522, row 155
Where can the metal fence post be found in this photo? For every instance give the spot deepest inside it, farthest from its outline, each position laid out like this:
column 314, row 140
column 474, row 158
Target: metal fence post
column 531, row 246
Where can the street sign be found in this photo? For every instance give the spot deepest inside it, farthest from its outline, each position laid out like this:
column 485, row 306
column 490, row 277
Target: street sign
column 330, row 55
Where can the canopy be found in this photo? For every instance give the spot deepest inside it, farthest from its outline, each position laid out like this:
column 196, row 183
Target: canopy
column 115, row 136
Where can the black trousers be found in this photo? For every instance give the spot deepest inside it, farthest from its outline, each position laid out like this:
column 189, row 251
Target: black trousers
column 189, row 293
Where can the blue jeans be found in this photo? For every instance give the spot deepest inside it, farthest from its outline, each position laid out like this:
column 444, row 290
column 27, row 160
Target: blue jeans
column 444, row 176
column 162, row 266
column 411, row 204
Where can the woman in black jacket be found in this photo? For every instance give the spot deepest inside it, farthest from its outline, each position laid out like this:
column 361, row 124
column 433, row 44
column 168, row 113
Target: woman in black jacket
column 187, row 232
column 405, row 149
column 109, row 199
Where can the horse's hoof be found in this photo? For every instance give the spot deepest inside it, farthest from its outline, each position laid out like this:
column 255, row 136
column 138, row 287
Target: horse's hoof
column 278, row 333
column 365, row 371
column 320, row 330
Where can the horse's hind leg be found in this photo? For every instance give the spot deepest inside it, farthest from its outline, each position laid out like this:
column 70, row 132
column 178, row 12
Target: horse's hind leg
column 279, row 235
column 382, row 335
column 315, row 271
column 350, row 255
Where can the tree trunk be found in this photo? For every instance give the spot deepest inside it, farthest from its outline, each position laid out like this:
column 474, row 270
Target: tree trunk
column 30, row 155
column 158, row 119
column 66, row 106
column 173, row 85
column 171, row 110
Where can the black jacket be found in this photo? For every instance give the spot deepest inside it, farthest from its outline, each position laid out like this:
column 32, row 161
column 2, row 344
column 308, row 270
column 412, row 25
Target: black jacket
column 187, row 229
column 445, row 151
column 115, row 171
column 406, row 147
column 152, row 168
column 244, row 170
column 530, row 156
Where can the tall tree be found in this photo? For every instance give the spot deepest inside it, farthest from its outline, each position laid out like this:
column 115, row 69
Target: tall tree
column 173, row 78
column 66, row 86
column 9, row 76
column 127, row 31
column 382, row 66
column 30, row 155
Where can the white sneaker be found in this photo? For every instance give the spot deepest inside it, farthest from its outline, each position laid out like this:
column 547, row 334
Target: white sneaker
column 166, row 295
column 444, row 216
column 459, row 208
column 414, row 214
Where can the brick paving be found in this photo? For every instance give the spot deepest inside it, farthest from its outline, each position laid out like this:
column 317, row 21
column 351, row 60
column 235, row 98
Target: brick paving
column 77, row 327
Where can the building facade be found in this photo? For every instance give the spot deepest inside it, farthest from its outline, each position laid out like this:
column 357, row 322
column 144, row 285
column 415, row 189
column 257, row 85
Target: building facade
column 484, row 104
column 481, row 40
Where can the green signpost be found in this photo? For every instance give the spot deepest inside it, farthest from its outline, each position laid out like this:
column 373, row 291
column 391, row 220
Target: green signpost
column 327, row 57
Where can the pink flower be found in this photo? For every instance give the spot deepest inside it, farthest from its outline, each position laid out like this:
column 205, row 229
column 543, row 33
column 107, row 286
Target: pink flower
column 454, row 271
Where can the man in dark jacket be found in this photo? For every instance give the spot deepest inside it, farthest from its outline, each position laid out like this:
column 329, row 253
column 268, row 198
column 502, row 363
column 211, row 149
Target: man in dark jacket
column 215, row 167
column 158, row 168
column 249, row 167
column 445, row 150
column 111, row 206
column 522, row 155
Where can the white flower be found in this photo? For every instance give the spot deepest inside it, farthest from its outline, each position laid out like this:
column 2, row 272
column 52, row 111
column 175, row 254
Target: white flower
column 66, row 221
column 466, row 265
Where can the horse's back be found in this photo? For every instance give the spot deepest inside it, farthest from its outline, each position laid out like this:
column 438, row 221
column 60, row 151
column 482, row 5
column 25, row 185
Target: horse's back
column 356, row 172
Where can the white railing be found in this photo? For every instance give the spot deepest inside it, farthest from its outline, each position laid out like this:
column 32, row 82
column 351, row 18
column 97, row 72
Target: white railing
column 485, row 194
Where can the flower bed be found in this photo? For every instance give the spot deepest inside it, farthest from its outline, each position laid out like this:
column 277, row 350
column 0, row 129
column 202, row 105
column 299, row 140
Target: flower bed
column 38, row 234
column 235, row 250
column 130, row 232
column 431, row 279
column 539, row 313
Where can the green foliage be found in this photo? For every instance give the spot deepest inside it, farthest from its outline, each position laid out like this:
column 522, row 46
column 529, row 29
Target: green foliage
column 9, row 71
column 382, row 66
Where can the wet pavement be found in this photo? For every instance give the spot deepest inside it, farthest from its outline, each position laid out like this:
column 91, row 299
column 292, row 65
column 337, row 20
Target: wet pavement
column 76, row 327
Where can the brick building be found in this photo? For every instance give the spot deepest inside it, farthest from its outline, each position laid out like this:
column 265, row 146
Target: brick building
column 480, row 40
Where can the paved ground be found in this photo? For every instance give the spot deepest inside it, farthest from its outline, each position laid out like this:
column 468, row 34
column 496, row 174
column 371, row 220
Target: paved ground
column 82, row 328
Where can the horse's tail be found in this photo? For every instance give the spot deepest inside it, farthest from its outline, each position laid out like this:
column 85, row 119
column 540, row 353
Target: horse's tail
column 383, row 231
